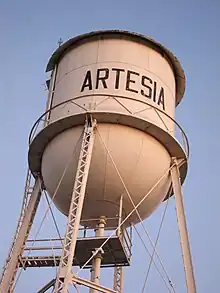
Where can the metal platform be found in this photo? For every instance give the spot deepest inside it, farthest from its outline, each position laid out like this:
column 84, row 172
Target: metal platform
column 115, row 254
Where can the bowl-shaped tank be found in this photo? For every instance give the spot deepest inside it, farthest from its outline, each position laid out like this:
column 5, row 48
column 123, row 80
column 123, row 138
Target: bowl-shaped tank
column 140, row 159
column 131, row 85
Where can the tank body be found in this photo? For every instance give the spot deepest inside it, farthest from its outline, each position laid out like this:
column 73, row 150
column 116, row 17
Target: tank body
column 125, row 83
column 135, row 74
column 136, row 157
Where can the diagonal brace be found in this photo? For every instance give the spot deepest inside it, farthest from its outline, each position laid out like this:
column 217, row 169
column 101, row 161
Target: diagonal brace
column 92, row 285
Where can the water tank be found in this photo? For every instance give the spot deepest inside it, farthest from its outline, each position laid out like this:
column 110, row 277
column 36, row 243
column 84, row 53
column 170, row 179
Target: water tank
column 131, row 85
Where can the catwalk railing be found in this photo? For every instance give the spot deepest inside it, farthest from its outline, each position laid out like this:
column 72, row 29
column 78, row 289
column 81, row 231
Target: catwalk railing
column 47, row 252
column 177, row 133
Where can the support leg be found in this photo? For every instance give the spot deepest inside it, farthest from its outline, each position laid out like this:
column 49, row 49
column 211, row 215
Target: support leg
column 187, row 259
column 64, row 276
column 119, row 271
column 13, row 264
column 118, row 279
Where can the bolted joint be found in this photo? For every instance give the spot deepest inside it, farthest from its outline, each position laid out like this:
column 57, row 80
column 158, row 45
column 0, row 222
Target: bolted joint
column 62, row 272
column 90, row 121
column 174, row 161
column 97, row 253
column 102, row 220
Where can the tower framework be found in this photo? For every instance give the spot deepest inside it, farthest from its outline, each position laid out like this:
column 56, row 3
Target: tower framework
column 102, row 249
column 65, row 277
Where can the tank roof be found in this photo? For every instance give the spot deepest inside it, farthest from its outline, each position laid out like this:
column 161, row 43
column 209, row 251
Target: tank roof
column 121, row 34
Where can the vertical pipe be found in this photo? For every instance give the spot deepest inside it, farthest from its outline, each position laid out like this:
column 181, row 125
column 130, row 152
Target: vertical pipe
column 131, row 229
column 184, row 240
column 50, row 95
column 120, row 216
column 96, row 262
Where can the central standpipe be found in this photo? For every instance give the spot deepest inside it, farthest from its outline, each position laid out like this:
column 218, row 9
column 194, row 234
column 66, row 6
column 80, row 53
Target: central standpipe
column 96, row 262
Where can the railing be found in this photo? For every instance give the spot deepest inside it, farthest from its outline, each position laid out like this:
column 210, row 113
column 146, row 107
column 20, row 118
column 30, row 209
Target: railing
column 180, row 135
column 55, row 244
column 125, row 234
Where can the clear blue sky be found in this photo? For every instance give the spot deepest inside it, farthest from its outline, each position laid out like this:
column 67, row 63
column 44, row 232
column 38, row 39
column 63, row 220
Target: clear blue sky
column 29, row 31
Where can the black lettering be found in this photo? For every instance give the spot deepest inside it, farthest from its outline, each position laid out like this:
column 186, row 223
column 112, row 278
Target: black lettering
column 87, row 81
column 144, row 80
column 117, row 77
column 155, row 91
column 129, row 80
column 102, row 78
column 161, row 98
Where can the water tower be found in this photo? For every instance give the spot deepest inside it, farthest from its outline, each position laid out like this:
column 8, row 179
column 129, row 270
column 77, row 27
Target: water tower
column 106, row 154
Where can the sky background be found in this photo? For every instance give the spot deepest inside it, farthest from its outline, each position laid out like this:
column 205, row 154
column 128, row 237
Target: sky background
column 29, row 31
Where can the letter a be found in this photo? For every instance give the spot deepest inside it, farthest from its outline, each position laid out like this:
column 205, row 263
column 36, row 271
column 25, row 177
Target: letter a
column 87, row 81
column 161, row 98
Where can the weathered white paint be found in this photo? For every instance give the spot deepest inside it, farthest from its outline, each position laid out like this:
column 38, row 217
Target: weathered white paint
column 140, row 158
